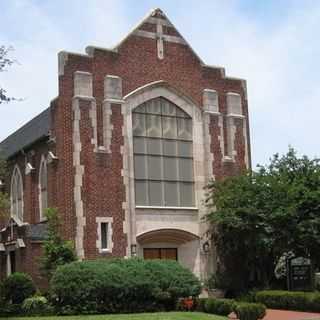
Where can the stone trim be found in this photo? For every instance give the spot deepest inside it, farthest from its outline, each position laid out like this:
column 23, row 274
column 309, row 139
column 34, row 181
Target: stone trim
column 16, row 170
column 210, row 101
column 45, row 162
column 246, row 152
column 109, row 221
column 163, row 22
column 28, row 169
column 167, row 208
column 153, row 35
column 78, row 177
column 62, row 61
column 141, row 95
column 83, row 84
column 207, row 139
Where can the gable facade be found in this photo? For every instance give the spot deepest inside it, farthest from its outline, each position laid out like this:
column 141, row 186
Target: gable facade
column 128, row 146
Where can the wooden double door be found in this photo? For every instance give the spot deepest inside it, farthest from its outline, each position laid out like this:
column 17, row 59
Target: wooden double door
column 161, row 253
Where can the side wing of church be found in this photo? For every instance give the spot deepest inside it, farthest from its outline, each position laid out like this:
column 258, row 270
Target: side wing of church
column 124, row 153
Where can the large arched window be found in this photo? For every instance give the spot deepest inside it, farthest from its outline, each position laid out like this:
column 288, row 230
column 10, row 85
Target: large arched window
column 163, row 161
column 43, row 188
column 17, row 194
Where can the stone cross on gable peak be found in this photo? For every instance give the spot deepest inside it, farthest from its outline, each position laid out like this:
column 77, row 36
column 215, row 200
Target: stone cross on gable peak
column 160, row 40
column 161, row 34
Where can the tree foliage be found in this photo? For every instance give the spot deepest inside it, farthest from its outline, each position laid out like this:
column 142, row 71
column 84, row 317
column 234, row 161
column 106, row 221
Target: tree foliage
column 5, row 62
column 56, row 250
column 259, row 216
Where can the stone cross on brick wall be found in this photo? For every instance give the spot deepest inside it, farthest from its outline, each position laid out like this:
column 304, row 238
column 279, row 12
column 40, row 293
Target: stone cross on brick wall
column 160, row 39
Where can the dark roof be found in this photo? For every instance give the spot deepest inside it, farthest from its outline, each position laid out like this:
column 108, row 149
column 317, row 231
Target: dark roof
column 32, row 131
column 37, row 232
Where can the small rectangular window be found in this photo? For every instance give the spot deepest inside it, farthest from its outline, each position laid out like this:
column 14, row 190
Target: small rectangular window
column 104, row 235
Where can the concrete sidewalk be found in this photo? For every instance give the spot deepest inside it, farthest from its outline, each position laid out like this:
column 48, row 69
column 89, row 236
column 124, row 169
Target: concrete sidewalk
column 285, row 315
column 290, row 315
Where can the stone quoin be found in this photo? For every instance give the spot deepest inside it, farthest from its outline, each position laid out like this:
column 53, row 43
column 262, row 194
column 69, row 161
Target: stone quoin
column 124, row 153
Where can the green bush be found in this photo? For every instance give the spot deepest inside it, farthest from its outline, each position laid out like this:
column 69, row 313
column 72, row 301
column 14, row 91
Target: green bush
column 249, row 311
column 200, row 304
column 37, row 305
column 17, row 287
column 10, row 310
column 121, row 285
column 290, row 300
column 221, row 307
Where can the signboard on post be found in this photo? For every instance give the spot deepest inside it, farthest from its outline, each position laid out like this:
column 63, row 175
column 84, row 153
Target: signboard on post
column 299, row 274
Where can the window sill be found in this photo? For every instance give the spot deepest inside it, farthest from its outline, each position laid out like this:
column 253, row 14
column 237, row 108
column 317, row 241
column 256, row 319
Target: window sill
column 105, row 250
column 167, row 208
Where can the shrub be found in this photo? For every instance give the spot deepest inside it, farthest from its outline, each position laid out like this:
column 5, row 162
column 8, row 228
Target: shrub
column 10, row 310
column 221, row 307
column 121, row 285
column 200, row 304
column 290, row 300
column 249, row 311
column 17, row 287
column 56, row 250
column 37, row 305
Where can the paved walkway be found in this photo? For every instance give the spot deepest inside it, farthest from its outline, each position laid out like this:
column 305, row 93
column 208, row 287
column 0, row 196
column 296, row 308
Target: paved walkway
column 290, row 315
column 286, row 315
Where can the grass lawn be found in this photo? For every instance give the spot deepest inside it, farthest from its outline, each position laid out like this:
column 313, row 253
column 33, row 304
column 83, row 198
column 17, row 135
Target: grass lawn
column 142, row 316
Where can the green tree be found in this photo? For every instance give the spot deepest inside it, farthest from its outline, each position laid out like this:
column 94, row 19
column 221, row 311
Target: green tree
column 5, row 61
column 56, row 250
column 258, row 216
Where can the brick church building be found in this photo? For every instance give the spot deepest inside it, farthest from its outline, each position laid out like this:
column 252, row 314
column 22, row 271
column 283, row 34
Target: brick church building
column 124, row 153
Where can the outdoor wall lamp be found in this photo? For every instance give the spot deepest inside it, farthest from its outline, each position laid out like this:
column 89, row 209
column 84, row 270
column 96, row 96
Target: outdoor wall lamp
column 133, row 250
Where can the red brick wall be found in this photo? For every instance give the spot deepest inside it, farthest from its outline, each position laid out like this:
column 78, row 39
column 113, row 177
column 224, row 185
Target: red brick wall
column 103, row 191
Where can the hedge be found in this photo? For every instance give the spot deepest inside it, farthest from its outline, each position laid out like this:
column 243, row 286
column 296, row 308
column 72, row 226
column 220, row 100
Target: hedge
column 121, row 285
column 17, row 287
column 249, row 311
column 289, row 300
column 221, row 307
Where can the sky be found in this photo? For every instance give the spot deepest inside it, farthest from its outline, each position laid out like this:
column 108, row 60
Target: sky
column 274, row 45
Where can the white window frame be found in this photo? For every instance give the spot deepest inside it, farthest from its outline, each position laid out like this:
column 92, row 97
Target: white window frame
column 43, row 162
column 109, row 221
column 14, row 212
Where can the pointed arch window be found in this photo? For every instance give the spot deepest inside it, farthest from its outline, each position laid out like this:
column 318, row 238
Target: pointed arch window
column 43, row 188
column 163, row 155
column 17, row 194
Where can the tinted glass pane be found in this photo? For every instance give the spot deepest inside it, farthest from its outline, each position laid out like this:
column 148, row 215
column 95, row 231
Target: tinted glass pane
column 138, row 124
column 170, row 147
column 168, row 108
column 169, row 127
column 171, row 194
column 104, row 235
column 139, row 145
column 186, row 195
column 181, row 113
column 185, row 129
column 170, row 168
column 153, row 106
column 140, row 167
column 153, row 126
column 155, row 193
column 185, row 170
column 184, row 149
column 154, row 146
column 141, row 108
column 141, row 193
column 154, row 168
